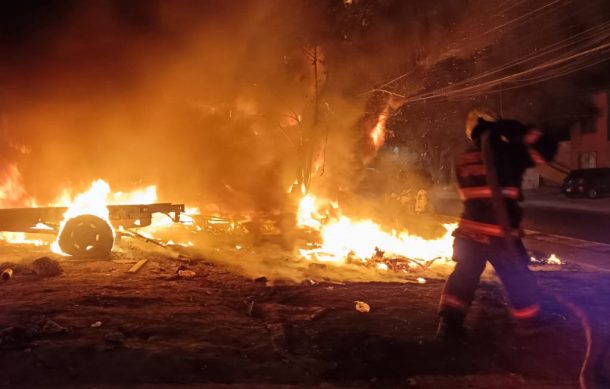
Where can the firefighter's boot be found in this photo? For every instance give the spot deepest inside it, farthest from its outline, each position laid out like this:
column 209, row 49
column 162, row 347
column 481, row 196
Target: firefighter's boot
column 451, row 327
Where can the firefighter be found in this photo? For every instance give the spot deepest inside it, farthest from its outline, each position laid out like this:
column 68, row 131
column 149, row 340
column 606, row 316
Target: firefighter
column 482, row 235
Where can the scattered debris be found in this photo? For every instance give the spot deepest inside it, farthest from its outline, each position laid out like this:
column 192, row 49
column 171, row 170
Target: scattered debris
column 278, row 339
column 96, row 324
column 273, row 312
column 135, row 268
column 361, row 306
column 184, row 259
column 18, row 268
column 186, row 273
column 538, row 258
column 123, row 261
column 48, row 326
column 251, row 307
column 46, row 267
column 11, row 336
column 7, row 274
column 115, row 337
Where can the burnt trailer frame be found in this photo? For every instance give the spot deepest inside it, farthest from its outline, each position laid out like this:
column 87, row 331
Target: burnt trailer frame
column 85, row 235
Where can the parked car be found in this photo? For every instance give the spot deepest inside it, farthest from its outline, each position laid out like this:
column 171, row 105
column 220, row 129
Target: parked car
column 592, row 183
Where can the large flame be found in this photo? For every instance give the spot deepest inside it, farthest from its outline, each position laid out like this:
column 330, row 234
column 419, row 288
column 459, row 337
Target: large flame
column 344, row 238
column 95, row 202
column 92, row 202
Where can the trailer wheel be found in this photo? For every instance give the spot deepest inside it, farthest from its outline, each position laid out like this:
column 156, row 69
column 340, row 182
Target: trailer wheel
column 86, row 236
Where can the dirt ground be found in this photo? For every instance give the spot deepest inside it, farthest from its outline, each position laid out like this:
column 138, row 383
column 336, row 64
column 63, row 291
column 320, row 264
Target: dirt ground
column 96, row 325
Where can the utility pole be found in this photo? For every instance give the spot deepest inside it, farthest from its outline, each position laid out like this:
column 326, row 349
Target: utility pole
column 310, row 136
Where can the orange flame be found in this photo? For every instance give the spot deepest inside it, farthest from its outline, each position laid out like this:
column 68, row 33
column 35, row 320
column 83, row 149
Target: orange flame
column 344, row 238
column 92, row 202
column 20, row 238
column 378, row 133
column 12, row 192
column 95, row 202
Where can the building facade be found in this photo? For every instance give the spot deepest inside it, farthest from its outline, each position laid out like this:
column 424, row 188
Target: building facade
column 589, row 144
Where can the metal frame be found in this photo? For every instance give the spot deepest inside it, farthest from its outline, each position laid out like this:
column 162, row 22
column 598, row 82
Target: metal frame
column 127, row 216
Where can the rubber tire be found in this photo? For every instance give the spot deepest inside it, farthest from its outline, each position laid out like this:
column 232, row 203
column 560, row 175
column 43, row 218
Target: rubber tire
column 86, row 236
column 592, row 193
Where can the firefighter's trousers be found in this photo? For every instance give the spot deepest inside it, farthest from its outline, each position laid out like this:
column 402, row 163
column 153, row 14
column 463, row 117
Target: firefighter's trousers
column 510, row 265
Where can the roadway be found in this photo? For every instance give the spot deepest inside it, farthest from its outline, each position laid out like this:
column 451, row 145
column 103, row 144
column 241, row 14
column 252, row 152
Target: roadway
column 580, row 224
column 551, row 213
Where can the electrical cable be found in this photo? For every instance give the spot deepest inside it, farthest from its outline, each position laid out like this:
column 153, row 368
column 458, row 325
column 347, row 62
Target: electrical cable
column 554, row 67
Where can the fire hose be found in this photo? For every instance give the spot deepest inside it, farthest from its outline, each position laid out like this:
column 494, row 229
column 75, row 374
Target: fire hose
column 586, row 375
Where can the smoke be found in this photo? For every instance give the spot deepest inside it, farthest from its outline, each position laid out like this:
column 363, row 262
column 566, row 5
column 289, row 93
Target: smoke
column 227, row 102
column 188, row 96
column 212, row 101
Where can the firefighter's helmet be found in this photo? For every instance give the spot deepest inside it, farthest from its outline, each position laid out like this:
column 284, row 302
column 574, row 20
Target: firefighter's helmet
column 473, row 119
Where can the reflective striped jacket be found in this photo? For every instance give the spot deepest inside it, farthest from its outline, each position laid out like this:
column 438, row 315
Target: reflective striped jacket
column 515, row 148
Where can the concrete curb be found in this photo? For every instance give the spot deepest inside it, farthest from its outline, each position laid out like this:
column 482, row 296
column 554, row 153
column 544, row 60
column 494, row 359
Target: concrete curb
column 533, row 199
column 595, row 208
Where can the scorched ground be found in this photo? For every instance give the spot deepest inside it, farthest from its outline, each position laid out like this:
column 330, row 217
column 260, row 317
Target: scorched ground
column 97, row 324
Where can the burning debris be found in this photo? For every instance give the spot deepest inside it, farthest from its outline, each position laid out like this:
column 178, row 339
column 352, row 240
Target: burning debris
column 344, row 240
column 6, row 274
column 87, row 226
column 543, row 259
